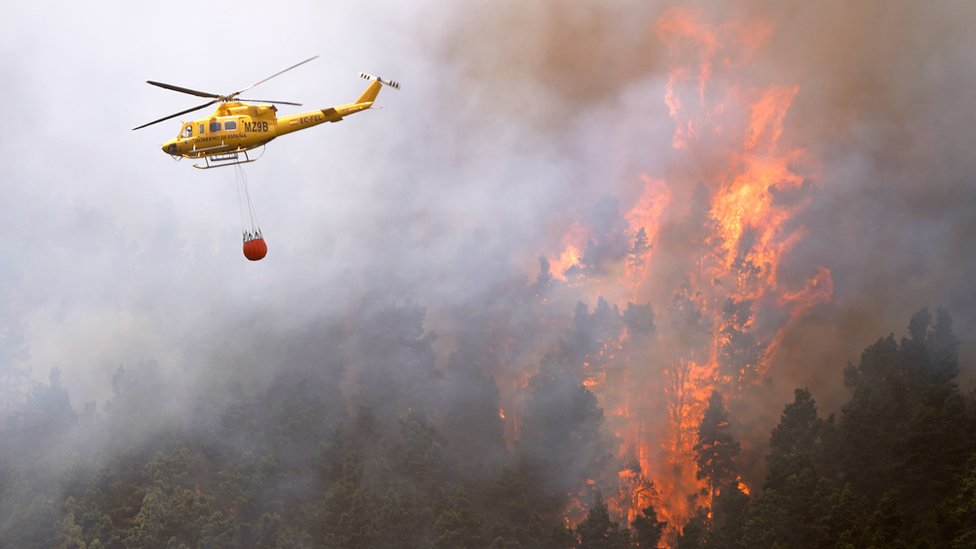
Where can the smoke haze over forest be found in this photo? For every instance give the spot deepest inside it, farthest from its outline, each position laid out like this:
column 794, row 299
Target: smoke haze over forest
column 549, row 109
column 476, row 238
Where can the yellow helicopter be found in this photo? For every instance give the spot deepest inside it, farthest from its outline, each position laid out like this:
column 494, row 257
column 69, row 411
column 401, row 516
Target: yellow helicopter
column 225, row 137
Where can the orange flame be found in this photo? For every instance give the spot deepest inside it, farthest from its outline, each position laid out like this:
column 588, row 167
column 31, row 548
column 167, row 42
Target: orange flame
column 569, row 257
column 707, row 279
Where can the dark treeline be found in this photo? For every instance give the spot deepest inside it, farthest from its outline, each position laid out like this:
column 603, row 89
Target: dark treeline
column 360, row 440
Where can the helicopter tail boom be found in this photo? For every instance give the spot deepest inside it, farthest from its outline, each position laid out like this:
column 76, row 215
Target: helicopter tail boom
column 296, row 122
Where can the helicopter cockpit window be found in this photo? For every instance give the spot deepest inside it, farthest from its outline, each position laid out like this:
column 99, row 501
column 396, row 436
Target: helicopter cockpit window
column 188, row 131
column 230, row 125
column 214, row 126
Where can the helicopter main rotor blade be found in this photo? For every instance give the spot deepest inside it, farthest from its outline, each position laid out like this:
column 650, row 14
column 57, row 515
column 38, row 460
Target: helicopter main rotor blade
column 279, row 73
column 198, row 107
column 183, row 90
column 271, row 101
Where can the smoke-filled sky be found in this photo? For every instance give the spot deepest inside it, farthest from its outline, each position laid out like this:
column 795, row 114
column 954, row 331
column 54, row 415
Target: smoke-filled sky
column 513, row 120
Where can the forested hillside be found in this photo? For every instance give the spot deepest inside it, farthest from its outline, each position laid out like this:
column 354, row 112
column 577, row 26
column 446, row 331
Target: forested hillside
column 419, row 457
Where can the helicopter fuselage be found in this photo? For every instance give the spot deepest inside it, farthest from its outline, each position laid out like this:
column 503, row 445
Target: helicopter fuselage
column 236, row 126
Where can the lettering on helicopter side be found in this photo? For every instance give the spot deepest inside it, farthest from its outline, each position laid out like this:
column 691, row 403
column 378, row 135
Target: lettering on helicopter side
column 258, row 126
column 222, row 137
column 310, row 119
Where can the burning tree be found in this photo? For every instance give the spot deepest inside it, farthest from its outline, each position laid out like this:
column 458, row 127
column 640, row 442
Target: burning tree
column 700, row 249
column 716, row 449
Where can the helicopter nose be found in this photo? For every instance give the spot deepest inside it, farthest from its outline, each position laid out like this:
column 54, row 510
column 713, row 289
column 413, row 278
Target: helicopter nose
column 169, row 147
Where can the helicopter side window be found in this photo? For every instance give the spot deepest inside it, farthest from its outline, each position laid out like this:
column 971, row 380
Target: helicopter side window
column 214, row 126
column 188, row 131
column 230, row 125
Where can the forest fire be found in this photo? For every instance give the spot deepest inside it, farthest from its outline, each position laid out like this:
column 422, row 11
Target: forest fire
column 646, row 277
column 719, row 318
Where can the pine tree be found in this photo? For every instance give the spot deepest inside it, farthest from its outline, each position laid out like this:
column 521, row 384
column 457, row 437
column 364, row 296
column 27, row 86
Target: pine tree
column 885, row 524
column 597, row 531
column 906, row 429
column 543, row 281
column 795, row 442
column 728, row 516
column 716, row 450
column 458, row 526
column 561, row 427
column 693, row 534
column 958, row 512
column 469, row 405
column 739, row 351
column 647, row 530
column 636, row 256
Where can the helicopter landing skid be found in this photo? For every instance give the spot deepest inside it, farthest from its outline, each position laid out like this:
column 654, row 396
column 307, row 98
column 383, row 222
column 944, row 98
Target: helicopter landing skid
column 225, row 159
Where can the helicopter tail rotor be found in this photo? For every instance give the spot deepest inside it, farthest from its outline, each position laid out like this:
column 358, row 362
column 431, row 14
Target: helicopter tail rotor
column 391, row 83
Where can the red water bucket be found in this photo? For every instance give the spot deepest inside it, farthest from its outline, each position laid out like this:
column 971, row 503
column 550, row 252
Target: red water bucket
column 255, row 249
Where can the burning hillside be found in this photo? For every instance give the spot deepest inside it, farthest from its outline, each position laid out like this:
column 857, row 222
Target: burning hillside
column 731, row 202
column 700, row 247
